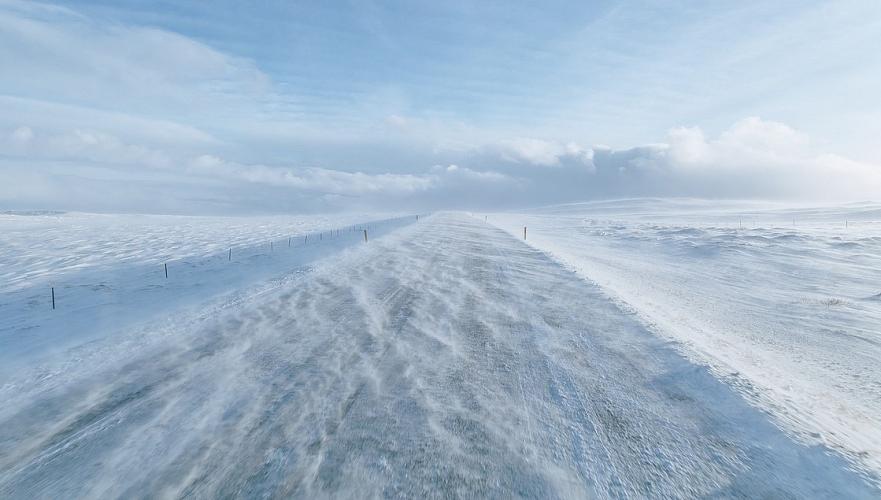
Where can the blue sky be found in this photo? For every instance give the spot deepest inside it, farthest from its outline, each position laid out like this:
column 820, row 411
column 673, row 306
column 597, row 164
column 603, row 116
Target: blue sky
column 287, row 106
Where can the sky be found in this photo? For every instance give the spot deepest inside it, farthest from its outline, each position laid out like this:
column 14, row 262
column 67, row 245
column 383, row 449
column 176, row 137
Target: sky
column 283, row 106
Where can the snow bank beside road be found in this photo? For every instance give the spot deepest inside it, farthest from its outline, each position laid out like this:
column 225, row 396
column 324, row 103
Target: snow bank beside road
column 782, row 302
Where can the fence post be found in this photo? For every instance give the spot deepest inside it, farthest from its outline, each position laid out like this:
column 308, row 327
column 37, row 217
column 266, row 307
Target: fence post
column 53, row 298
column 229, row 257
column 524, row 232
column 166, row 270
column 365, row 236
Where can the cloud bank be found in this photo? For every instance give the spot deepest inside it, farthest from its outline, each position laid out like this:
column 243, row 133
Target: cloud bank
column 754, row 158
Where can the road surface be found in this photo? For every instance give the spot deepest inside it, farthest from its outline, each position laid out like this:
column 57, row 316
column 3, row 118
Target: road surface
column 445, row 360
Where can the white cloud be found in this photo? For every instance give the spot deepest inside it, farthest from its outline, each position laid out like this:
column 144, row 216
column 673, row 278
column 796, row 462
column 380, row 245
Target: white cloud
column 49, row 117
column 542, row 153
column 22, row 135
column 67, row 56
column 397, row 121
column 322, row 180
column 83, row 145
column 753, row 158
column 64, row 71
column 468, row 174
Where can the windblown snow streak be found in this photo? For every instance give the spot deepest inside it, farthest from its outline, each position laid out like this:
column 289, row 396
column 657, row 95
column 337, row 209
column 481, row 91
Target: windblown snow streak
column 447, row 359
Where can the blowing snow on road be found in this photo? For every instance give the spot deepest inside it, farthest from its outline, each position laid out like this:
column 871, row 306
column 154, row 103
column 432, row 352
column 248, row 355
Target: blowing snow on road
column 446, row 359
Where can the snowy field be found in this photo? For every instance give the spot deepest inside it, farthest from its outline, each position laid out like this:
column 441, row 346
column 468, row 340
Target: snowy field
column 108, row 271
column 782, row 302
column 38, row 247
column 442, row 359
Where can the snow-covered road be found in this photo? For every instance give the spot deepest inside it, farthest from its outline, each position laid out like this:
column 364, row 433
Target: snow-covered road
column 446, row 359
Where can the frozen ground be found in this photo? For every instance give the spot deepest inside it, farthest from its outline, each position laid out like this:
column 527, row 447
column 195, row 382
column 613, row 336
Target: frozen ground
column 37, row 247
column 443, row 359
column 782, row 302
column 108, row 271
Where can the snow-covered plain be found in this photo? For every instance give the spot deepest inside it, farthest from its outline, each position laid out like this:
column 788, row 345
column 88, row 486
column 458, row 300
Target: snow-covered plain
column 443, row 359
column 782, row 302
column 36, row 247
column 108, row 271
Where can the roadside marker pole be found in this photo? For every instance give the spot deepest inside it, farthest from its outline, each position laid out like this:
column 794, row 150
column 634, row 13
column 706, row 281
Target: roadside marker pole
column 166, row 270
column 524, row 232
column 53, row 298
column 229, row 257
